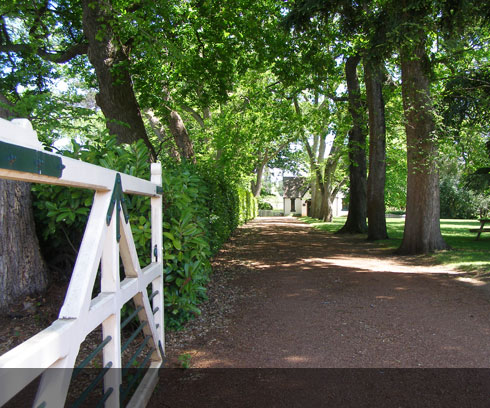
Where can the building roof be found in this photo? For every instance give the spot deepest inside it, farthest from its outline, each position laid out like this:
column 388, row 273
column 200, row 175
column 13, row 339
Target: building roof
column 295, row 187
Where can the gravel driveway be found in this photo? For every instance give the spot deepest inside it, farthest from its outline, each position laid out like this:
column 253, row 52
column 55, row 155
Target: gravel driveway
column 284, row 295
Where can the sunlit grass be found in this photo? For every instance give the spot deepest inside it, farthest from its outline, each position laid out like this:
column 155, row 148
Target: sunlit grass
column 467, row 254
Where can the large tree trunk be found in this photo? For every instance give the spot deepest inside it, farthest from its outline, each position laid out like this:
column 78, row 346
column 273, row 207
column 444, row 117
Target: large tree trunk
column 330, row 187
column 22, row 269
column 316, row 199
column 422, row 226
column 356, row 218
column 376, row 212
column 109, row 58
column 327, row 201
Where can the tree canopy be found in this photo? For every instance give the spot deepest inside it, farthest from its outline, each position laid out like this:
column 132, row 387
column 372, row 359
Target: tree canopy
column 239, row 85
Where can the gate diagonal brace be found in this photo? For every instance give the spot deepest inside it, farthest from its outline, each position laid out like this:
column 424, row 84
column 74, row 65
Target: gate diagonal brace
column 118, row 202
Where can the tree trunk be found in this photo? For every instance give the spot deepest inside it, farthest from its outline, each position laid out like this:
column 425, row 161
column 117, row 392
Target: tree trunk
column 257, row 185
column 422, row 226
column 22, row 269
column 327, row 200
column 356, row 218
column 376, row 211
column 181, row 136
column 109, row 58
column 159, row 130
column 316, row 199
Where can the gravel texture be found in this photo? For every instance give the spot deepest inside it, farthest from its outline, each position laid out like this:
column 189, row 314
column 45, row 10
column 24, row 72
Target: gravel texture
column 284, row 295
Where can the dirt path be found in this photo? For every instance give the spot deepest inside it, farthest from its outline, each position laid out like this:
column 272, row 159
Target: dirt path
column 311, row 299
column 296, row 297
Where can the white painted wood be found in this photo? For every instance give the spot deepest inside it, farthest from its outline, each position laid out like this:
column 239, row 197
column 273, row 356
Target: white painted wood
column 33, row 356
column 128, row 254
column 157, row 242
column 110, row 283
column 58, row 345
column 145, row 389
column 41, row 350
column 80, row 174
column 19, row 132
column 112, row 354
column 130, row 286
column 76, row 173
column 55, row 381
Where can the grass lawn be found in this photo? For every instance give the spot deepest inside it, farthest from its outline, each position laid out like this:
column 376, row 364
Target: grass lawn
column 467, row 254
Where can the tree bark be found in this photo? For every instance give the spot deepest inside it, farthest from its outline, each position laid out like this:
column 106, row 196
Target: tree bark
column 159, row 130
column 181, row 136
column 110, row 60
column 327, row 201
column 356, row 218
column 22, row 269
column 330, row 189
column 316, row 199
column 257, row 185
column 422, row 225
column 376, row 211
column 322, row 188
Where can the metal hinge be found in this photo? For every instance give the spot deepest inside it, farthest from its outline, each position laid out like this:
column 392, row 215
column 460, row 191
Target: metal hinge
column 119, row 203
column 20, row 158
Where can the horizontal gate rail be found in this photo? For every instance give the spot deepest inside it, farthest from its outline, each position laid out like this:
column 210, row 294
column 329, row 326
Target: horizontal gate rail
column 107, row 239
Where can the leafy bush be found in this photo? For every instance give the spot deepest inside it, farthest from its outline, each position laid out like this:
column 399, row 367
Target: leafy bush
column 222, row 203
column 248, row 207
column 457, row 201
column 200, row 211
column 186, row 245
column 264, row 205
column 61, row 213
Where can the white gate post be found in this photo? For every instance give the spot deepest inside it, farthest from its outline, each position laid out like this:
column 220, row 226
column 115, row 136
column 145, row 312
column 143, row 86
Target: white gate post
column 157, row 253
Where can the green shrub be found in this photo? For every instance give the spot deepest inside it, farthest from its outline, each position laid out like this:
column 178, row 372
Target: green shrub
column 457, row 201
column 61, row 213
column 264, row 205
column 222, row 205
column 186, row 243
column 248, row 206
column 200, row 211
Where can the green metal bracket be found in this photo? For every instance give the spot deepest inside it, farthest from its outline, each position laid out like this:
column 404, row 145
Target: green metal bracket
column 159, row 190
column 19, row 158
column 118, row 202
column 155, row 253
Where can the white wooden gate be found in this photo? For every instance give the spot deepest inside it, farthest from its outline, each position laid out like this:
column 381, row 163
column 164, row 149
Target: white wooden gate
column 106, row 240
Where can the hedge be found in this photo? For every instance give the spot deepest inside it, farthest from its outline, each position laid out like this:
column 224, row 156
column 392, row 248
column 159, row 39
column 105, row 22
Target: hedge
column 200, row 211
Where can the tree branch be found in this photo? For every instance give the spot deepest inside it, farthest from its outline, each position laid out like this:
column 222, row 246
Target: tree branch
column 5, row 32
column 6, row 108
column 195, row 115
column 337, row 98
column 308, row 149
column 59, row 57
column 296, row 106
column 38, row 21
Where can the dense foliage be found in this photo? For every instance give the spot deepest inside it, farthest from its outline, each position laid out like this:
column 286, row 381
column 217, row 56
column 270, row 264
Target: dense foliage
column 200, row 211
column 219, row 91
column 458, row 201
